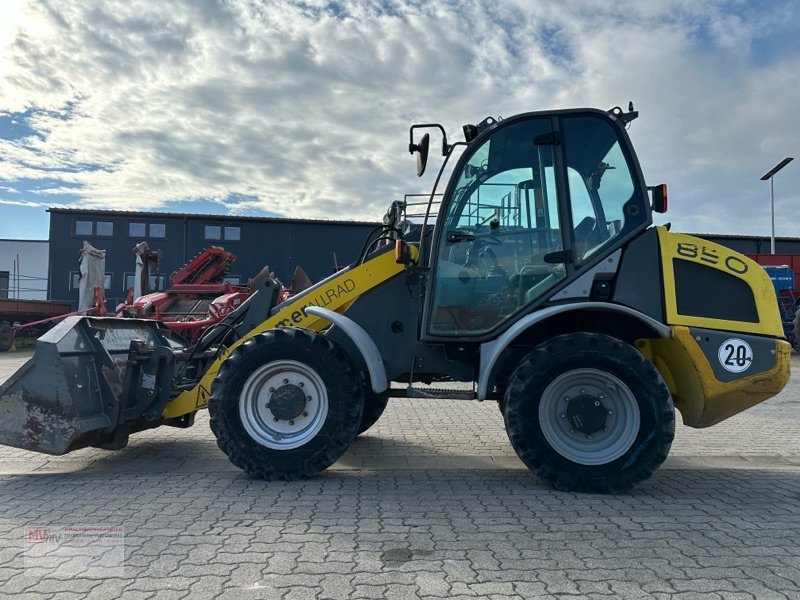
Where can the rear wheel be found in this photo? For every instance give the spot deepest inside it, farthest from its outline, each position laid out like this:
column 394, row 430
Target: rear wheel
column 587, row 412
column 286, row 404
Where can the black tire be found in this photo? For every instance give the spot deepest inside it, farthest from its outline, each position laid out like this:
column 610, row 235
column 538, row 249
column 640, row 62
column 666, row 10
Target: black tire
column 587, row 412
column 6, row 337
column 374, row 405
column 312, row 387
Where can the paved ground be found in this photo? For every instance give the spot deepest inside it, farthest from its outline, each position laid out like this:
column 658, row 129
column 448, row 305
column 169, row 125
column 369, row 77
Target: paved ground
column 431, row 503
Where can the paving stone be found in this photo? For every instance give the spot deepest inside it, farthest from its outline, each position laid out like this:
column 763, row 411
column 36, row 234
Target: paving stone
column 444, row 510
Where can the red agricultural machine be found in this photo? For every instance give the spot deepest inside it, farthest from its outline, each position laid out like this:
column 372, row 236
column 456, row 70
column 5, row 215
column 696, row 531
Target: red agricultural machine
column 199, row 296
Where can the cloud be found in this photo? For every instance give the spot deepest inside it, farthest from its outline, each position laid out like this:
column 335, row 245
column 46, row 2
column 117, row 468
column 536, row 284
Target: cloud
column 302, row 108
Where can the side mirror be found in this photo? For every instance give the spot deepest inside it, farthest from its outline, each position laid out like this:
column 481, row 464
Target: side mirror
column 422, row 153
column 659, row 193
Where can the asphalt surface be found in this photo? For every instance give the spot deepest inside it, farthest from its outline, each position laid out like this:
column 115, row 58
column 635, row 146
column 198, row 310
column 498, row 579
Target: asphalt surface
column 430, row 503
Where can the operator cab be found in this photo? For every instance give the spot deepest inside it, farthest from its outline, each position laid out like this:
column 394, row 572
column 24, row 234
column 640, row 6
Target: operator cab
column 533, row 200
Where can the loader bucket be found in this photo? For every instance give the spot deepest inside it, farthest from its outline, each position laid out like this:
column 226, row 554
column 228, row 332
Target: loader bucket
column 86, row 379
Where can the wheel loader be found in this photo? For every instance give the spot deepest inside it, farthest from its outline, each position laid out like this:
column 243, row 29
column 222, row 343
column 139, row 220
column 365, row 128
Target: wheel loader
column 536, row 275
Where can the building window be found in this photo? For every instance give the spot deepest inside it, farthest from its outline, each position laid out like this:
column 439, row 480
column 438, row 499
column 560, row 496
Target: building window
column 230, row 233
column 75, row 280
column 155, row 284
column 83, row 227
column 213, row 232
column 149, row 230
column 104, row 228
column 130, row 282
column 98, row 228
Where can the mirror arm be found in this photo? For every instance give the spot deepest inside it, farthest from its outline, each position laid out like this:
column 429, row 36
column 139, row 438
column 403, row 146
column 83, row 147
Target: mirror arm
column 412, row 147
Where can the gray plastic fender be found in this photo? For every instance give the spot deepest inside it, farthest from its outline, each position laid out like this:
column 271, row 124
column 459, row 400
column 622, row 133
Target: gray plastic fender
column 369, row 351
column 490, row 351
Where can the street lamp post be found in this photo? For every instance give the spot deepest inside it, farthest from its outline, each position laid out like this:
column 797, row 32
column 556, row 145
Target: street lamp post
column 769, row 175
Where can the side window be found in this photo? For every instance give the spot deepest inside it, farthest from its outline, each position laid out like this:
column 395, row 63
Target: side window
column 600, row 185
column 229, row 233
column 212, row 232
column 500, row 222
column 83, row 228
column 105, row 228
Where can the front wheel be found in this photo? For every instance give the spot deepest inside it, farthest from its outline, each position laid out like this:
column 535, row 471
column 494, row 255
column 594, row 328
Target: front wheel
column 374, row 405
column 286, row 404
column 587, row 412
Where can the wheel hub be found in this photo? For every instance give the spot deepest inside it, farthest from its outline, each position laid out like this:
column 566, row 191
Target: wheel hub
column 589, row 416
column 283, row 404
column 586, row 414
column 287, row 402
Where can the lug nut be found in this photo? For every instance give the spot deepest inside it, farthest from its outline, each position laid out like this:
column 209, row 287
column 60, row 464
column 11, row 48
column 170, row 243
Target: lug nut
column 300, row 384
column 572, row 430
column 305, row 414
column 588, row 437
column 611, row 412
column 285, row 381
column 275, row 419
column 563, row 416
column 605, row 428
column 597, row 402
column 271, row 390
column 291, row 422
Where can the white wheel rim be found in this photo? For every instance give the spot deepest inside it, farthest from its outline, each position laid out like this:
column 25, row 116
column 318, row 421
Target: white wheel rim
column 606, row 399
column 281, row 431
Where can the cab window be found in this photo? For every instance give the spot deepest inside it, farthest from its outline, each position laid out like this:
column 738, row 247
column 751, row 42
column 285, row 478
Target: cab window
column 500, row 224
column 601, row 186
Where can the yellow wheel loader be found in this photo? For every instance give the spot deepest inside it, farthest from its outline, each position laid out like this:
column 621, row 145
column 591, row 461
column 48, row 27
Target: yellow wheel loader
column 541, row 280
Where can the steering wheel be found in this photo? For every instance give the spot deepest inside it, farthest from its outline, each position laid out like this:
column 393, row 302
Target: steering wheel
column 481, row 256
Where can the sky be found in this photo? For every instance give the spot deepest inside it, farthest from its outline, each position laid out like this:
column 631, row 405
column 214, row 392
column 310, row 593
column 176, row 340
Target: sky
column 301, row 108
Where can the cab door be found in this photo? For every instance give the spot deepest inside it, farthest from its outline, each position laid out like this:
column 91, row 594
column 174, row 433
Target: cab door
column 531, row 202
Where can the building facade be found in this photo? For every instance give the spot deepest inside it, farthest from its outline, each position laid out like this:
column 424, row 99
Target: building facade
column 318, row 246
column 283, row 244
column 23, row 269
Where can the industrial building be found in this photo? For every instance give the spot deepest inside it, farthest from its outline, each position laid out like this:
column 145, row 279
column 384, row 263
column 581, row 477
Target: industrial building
column 318, row 246
column 28, row 270
column 23, row 269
